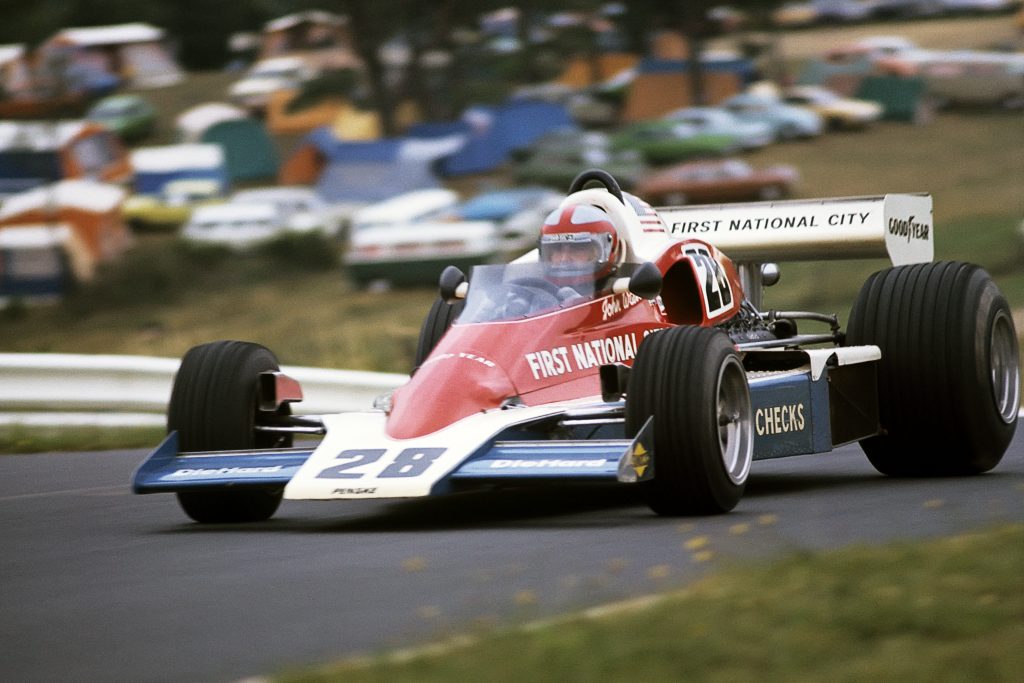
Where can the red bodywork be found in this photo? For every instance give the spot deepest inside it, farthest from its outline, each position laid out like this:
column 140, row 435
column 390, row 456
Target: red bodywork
column 556, row 356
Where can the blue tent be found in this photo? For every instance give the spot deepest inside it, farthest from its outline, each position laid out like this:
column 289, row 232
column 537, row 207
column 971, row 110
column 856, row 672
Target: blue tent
column 373, row 181
column 513, row 125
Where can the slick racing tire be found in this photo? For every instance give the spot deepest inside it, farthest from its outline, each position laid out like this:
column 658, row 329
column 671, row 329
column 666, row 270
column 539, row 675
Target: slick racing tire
column 213, row 407
column 691, row 380
column 439, row 318
column 949, row 377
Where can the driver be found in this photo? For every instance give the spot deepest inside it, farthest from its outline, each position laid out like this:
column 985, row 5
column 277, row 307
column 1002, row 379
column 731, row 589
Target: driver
column 579, row 246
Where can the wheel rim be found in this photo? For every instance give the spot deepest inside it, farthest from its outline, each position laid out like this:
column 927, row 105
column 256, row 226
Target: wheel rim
column 1004, row 362
column 735, row 426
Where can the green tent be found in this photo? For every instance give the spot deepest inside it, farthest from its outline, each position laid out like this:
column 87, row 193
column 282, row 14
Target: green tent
column 904, row 99
column 249, row 151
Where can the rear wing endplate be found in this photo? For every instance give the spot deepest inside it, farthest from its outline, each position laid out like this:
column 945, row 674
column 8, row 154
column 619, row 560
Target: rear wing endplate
column 897, row 226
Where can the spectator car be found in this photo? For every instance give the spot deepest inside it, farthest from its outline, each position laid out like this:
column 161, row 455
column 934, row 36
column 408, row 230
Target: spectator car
column 720, row 121
column 413, row 251
column 390, row 243
column 837, row 111
column 300, row 207
column 172, row 179
column 726, row 180
column 236, row 225
column 787, row 122
column 662, row 142
column 555, row 159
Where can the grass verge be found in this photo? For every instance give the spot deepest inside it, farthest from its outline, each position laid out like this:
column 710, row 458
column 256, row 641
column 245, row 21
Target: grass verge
column 945, row 610
column 34, row 439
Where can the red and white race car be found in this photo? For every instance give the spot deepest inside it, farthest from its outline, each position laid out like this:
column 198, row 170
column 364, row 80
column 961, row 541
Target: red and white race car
column 656, row 367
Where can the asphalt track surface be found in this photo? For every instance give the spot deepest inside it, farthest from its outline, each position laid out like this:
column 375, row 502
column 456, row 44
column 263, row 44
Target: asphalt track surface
column 97, row 584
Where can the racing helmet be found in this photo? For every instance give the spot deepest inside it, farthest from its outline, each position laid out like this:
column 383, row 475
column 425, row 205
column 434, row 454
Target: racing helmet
column 578, row 243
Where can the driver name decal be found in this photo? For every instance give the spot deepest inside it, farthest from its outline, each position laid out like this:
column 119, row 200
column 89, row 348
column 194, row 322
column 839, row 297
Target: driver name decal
column 563, row 360
column 613, row 305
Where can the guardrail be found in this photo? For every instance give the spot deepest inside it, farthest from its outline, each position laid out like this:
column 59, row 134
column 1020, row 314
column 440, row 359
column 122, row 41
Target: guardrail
column 107, row 389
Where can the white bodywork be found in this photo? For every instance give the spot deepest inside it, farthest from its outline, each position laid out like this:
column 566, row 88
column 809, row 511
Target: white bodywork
column 351, row 433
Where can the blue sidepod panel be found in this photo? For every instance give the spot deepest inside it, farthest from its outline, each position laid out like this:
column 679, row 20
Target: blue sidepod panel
column 791, row 415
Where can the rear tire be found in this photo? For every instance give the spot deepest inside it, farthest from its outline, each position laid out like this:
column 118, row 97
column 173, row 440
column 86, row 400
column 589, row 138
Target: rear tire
column 439, row 318
column 949, row 377
column 691, row 380
column 213, row 407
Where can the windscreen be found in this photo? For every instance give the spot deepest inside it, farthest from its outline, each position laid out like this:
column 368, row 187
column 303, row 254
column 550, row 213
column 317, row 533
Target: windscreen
column 521, row 290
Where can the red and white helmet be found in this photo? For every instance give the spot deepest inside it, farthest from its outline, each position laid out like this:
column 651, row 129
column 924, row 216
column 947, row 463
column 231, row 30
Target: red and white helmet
column 579, row 243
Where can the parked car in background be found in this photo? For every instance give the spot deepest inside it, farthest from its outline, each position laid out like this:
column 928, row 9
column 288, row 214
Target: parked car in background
column 516, row 214
column 662, row 142
column 787, row 122
column 841, row 11
column 237, row 225
column 130, row 117
column 719, row 121
column 837, row 111
column 172, row 179
column 268, row 76
column 386, row 240
column 555, row 159
column 172, row 205
column 717, row 181
column 975, row 78
column 301, row 208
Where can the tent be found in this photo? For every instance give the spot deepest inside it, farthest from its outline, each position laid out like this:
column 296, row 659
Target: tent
column 135, row 53
column 157, row 166
column 36, row 261
column 367, row 182
column 34, row 153
column 903, row 99
column 323, row 148
column 15, row 74
column 495, row 132
column 249, row 151
column 193, row 122
column 661, row 86
column 59, row 232
column 322, row 37
column 578, row 72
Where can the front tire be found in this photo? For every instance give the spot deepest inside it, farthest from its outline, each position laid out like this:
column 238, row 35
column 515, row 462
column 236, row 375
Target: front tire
column 213, row 407
column 691, row 380
column 949, row 377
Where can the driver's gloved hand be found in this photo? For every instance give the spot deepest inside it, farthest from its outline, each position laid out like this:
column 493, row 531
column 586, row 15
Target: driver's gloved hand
column 516, row 306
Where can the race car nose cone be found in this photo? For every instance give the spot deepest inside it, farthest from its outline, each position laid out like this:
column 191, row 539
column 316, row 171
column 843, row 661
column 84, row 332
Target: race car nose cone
column 445, row 389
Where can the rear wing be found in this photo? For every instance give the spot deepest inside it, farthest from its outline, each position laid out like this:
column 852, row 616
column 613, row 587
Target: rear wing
column 897, row 226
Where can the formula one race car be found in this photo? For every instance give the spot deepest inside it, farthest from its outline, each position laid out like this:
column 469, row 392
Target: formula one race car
column 630, row 348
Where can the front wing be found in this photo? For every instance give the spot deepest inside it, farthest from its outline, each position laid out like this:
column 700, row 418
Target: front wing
column 356, row 459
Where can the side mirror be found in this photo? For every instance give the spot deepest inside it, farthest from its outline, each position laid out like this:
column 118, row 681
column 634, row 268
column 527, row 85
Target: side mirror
column 645, row 282
column 453, row 284
column 770, row 274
